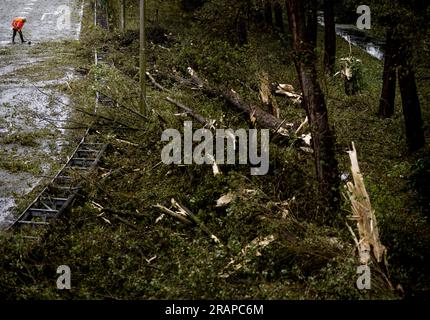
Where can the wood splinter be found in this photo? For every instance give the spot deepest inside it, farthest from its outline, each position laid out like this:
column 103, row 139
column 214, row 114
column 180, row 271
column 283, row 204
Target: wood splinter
column 185, row 215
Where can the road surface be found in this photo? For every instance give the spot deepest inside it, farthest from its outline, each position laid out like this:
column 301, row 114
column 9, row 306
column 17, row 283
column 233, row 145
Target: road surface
column 23, row 109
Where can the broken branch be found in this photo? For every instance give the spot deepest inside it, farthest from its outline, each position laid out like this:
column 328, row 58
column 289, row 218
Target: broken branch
column 189, row 111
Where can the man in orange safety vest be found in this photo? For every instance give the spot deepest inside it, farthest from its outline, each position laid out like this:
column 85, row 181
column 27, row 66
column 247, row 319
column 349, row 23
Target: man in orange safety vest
column 17, row 25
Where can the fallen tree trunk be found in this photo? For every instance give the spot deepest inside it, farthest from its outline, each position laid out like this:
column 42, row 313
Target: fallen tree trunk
column 155, row 83
column 190, row 112
column 256, row 114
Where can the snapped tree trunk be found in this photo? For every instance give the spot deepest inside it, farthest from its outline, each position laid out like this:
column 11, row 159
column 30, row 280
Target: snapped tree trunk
column 388, row 94
column 279, row 19
column 329, row 37
column 322, row 136
column 351, row 86
column 410, row 102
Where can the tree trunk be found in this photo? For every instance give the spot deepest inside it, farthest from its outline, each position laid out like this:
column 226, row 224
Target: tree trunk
column 410, row 101
column 388, row 94
column 123, row 16
column 311, row 21
column 351, row 86
column 279, row 19
column 268, row 17
column 322, row 136
column 329, row 37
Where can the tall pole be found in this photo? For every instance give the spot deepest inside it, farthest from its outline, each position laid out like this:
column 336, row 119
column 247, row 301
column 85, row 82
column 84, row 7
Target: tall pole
column 142, row 58
column 122, row 15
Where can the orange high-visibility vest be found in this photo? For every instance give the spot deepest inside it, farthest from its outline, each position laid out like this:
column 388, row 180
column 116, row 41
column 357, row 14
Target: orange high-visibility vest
column 18, row 23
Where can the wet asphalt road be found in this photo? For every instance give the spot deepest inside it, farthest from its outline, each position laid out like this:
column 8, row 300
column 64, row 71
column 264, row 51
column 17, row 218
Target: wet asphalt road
column 46, row 19
column 21, row 105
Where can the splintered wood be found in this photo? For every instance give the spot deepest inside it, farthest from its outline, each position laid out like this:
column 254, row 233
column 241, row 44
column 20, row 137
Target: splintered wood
column 266, row 95
column 287, row 90
column 185, row 215
column 364, row 215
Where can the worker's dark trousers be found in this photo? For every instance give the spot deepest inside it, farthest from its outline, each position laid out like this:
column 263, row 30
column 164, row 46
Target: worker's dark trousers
column 20, row 35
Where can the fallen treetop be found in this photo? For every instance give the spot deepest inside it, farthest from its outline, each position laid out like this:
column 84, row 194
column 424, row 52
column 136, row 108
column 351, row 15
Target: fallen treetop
column 256, row 114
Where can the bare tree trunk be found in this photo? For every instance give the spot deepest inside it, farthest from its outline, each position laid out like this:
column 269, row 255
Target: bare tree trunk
column 279, row 19
column 330, row 37
column 322, row 136
column 123, row 16
column 268, row 17
column 410, row 102
column 311, row 21
column 388, row 94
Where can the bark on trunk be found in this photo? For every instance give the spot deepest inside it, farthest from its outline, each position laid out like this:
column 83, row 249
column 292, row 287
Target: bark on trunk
column 322, row 136
column 410, row 102
column 388, row 94
column 279, row 19
column 351, row 86
column 311, row 21
column 329, row 37
column 268, row 17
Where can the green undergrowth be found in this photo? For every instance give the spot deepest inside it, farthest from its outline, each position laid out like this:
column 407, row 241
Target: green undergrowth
column 274, row 243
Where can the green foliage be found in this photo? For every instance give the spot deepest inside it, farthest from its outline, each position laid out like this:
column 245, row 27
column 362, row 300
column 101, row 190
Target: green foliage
column 217, row 58
column 220, row 15
column 191, row 5
column 420, row 182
